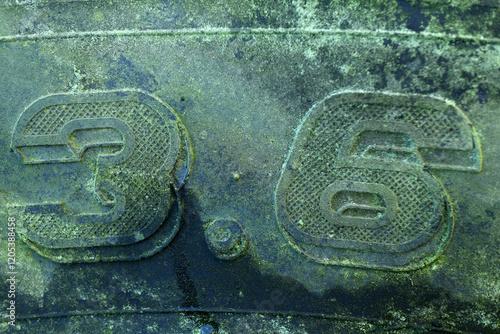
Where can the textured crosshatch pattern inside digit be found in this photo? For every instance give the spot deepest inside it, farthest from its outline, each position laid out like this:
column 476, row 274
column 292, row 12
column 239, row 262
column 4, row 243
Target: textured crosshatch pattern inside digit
column 413, row 216
column 150, row 130
column 315, row 170
column 144, row 203
column 136, row 176
column 331, row 127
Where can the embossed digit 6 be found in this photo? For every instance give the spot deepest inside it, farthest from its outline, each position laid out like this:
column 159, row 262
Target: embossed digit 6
column 355, row 189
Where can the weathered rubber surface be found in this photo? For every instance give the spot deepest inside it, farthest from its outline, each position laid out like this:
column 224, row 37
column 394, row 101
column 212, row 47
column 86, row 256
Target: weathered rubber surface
column 354, row 145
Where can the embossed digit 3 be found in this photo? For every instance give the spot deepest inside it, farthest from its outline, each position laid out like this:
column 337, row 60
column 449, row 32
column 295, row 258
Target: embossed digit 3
column 130, row 142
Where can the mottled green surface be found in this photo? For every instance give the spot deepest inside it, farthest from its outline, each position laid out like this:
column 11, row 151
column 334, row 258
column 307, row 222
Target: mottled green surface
column 241, row 76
